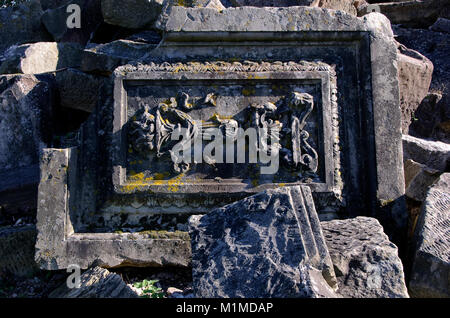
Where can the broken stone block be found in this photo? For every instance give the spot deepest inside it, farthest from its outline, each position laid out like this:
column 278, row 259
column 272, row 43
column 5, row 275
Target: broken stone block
column 25, row 127
column 104, row 58
column 267, row 245
column 414, row 76
column 441, row 25
column 55, row 21
column 40, row 57
column 427, row 116
column 17, row 250
column 434, row 154
column 430, row 275
column 96, row 282
column 412, row 14
column 21, row 23
column 348, row 6
column 366, row 263
column 418, row 178
column 78, row 90
column 133, row 14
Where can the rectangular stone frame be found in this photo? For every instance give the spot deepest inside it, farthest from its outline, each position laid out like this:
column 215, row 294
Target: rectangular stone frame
column 375, row 187
column 135, row 74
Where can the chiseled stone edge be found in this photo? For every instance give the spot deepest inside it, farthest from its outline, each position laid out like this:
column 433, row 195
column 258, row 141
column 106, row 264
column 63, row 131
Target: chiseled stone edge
column 58, row 246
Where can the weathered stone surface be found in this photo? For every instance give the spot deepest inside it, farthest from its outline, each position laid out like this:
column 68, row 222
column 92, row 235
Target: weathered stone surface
column 21, row 24
column 124, row 190
column 52, row 4
column 55, row 21
column 434, row 154
column 366, row 263
column 96, row 283
column 435, row 46
column 58, row 246
column 132, row 14
column 17, row 250
column 348, row 6
column 430, row 276
column 414, row 76
column 25, row 126
column 40, row 57
column 418, row 179
column 432, row 118
column 441, row 25
column 78, row 90
column 414, row 14
column 266, row 245
column 104, row 58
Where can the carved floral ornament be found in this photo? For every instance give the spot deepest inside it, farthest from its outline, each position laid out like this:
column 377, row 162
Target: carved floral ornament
column 222, row 66
column 152, row 127
column 283, row 123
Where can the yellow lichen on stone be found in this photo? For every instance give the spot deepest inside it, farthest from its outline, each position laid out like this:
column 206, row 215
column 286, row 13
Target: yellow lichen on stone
column 175, row 183
column 248, row 91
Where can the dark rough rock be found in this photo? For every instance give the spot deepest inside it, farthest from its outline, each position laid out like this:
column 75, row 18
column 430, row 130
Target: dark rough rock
column 348, row 6
column 52, row 4
column 435, row 46
column 430, row 276
column 414, row 76
column 96, row 282
column 413, row 14
column 21, row 24
column 104, row 58
column 25, row 126
column 133, row 14
column 434, row 154
column 17, row 250
column 266, row 245
column 55, row 21
column 40, row 57
column 441, row 25
column 432, row 118
column 366, row 263
column 418, row 178
column 78, row 90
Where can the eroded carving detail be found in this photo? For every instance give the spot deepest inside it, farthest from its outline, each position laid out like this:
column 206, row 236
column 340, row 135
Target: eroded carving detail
column 222, row 66
column 282, row 123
